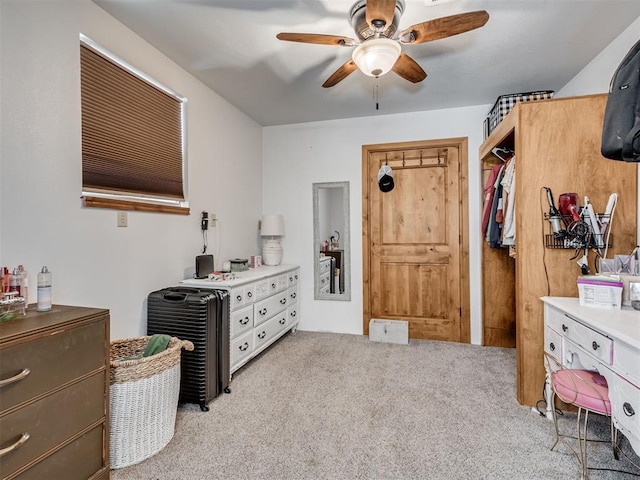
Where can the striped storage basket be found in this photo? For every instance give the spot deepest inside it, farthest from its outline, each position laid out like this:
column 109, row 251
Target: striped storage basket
column 143, row 399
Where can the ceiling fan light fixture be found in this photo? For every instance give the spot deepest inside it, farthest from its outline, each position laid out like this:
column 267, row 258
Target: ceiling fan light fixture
column 376, row 56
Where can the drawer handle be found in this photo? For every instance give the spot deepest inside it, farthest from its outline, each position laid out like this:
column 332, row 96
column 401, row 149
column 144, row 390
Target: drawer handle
column 595, row 345
column 15, row 378
column 283, row 301
column 282, row 321
column 293, row 295
column 273, row 285
column 628, row 409
column 291, row 279
column 243, row 347
column 564, row 328
column 552, row 346
column 296, row 277
column 25, row 436
column 239, row 298
column 244, row 321
column 249, row 294
column 262, row 311
column 262, row 334
column 293, row 314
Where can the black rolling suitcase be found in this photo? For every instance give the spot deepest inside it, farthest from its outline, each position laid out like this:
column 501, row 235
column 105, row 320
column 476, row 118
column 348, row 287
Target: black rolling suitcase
column 202, row 317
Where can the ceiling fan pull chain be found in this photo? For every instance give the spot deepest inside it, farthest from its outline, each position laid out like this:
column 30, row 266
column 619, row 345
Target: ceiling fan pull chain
column 377, row 98
column 386, row 158
column 420, row 157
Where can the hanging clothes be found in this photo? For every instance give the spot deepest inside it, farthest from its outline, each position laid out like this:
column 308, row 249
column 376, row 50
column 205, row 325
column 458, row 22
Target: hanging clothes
column 509, row 186
column 489, row 191
column 494, row 232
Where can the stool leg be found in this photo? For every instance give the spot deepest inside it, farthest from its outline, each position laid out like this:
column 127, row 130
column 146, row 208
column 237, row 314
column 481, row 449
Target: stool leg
column 582, row 443
column 555, row 417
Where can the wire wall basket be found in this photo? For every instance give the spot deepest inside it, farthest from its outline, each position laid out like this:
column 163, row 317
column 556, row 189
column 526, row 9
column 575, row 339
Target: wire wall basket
column 577, row 234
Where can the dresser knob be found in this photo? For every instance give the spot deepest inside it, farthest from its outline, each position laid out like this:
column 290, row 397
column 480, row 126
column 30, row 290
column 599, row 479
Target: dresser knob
column 262, row 334
column 552, row 346
column 282, row 321
column 564, row 328
column 243, row 347
column 595, row 345
column 249, row 294
column 283, row 301
column 628, row 409
column 239, row 298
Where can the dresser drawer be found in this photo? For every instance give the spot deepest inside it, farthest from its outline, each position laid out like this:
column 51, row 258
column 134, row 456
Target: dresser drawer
column 292, row 315
column 241, row 296
column 51, row 420
column 52, row 360
column 293, row 278
column 241, row 348
column 80, row 459
column 292, row 293
column 265, row 309
column 241, row 320
column 261, row 290
column 282, row 282
column 625, row 406
column 269, row 329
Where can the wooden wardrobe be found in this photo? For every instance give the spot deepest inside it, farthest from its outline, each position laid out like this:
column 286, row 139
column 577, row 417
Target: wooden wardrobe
column 557, row 145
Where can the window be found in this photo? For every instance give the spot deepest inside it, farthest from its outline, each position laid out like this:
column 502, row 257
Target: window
column 133, row 137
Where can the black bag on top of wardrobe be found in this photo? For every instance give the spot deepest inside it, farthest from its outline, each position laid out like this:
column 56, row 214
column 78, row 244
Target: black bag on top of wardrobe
column 621, row 127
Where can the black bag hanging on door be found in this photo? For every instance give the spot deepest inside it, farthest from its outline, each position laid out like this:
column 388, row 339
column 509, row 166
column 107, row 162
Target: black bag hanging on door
column 621, row 127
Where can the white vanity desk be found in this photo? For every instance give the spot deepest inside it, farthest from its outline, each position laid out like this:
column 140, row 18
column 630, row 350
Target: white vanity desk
column 604, row 340
column 263, row 307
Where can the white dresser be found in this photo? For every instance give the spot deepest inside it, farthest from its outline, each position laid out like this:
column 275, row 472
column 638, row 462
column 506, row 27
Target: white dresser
column 604, row 340
column 324, row 274
column 263, row 304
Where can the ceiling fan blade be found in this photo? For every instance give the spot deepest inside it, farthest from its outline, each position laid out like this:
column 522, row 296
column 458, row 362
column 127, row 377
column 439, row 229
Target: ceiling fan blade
column 443, row 27
column 317, row 38
column 408, row 69
column 380, row 11
column 343, row 72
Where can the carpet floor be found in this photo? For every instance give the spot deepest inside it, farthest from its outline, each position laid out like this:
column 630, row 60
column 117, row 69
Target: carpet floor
column 333, row 406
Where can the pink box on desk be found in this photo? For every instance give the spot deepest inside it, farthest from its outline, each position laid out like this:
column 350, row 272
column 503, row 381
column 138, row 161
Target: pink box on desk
column 600, row 293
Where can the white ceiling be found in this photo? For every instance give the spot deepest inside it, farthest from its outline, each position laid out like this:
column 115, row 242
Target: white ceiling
column 231, row 46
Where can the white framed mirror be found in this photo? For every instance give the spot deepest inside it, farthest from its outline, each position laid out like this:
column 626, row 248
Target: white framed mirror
column 331, row 241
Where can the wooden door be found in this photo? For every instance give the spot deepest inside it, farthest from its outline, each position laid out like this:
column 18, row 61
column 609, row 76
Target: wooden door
column 415, row 248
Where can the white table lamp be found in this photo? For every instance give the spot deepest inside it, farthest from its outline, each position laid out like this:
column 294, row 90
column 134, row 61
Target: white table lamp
column 272, row 226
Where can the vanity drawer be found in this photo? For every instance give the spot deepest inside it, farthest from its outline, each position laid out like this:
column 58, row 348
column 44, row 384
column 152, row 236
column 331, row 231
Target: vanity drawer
column 267, row 308
column 595, row 343
column 61, row 357
column 51, row 421
column 625, row 406
column 241, row 348
column 553, row 343
column 625, row 360
column 241, row 320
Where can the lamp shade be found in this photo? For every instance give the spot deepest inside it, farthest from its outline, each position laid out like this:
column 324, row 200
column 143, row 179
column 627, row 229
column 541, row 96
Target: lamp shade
column 376, row 56
column 272, row 226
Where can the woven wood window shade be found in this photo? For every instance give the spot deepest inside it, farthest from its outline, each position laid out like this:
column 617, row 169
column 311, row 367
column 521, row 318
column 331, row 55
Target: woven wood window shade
column 131, row 137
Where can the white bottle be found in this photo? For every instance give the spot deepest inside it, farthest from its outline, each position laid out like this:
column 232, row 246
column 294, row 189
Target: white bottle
column 44, row 290
column 24, row 285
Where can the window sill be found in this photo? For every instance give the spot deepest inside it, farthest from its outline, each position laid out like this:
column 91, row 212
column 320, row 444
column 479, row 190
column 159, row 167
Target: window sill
column 98, row 202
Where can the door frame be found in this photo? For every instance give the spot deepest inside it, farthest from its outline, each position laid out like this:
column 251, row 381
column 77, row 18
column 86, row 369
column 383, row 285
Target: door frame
column 461, row 143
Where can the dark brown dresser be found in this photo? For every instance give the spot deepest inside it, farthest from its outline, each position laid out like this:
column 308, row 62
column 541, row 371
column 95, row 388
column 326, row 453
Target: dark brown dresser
column 54, row 394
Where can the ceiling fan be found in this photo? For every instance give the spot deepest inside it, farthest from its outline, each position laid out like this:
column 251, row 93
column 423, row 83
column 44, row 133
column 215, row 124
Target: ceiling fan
column 378, row 48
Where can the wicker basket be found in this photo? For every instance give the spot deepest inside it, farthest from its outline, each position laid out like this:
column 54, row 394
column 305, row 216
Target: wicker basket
column 143, row 399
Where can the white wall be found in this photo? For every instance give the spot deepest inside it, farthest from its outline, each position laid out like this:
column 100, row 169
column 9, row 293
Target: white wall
column 296, row 156
column 95, row 263
column 596, row 76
